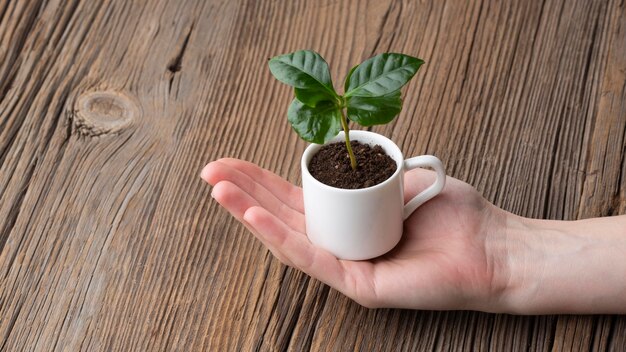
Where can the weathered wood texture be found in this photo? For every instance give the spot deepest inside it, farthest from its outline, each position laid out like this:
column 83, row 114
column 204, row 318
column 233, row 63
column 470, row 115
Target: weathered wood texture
column 108, row 110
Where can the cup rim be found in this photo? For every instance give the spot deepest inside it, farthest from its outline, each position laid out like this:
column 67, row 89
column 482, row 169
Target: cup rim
column 313, row 147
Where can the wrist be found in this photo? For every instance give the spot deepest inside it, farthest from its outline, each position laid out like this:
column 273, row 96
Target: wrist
column 562, row 266
column 508, row 253
column 524, row 251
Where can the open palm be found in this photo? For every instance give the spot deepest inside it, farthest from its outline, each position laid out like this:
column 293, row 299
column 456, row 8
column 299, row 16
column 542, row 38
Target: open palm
column 444, row 260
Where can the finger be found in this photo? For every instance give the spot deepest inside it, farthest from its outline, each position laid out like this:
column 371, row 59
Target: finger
column 237, row 201
column 232, row 198
column 284, row 190
column 275, row 252
column 299, row 251
column 218, row 170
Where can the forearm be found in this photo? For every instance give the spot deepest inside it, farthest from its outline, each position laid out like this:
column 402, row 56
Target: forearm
column 564, row 266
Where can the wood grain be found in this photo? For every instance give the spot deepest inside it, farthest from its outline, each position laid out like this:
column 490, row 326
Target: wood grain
column 108, row 110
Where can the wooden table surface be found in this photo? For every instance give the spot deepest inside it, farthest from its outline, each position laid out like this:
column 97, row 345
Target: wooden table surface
column 109, row 240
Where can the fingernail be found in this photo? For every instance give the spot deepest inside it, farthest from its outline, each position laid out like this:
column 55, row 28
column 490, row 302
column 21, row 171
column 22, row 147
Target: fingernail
column 204, row 172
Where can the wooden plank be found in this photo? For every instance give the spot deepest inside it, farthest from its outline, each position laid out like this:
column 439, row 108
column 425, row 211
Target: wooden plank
column 109, row 240
column 72, row 261
column 602, row 170
column 603, row 188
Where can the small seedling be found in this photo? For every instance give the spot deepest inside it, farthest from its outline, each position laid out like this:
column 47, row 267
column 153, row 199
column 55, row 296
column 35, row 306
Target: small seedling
column 371, row 93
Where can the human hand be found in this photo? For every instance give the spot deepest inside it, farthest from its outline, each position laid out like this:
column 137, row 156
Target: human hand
column 444, row 260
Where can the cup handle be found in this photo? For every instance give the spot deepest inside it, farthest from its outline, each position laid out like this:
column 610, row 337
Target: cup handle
column 434, row 189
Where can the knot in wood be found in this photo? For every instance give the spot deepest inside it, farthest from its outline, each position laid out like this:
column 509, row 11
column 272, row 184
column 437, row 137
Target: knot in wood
column 102, row 112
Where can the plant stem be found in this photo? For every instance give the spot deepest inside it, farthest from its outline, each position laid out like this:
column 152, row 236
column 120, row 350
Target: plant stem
column 346, row 131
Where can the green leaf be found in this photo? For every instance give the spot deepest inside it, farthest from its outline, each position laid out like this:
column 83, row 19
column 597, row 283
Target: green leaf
column 368, row 111
column 303, row 69
column 315, row 125
column 312, row 97
column 345, row 83
column 381, row 75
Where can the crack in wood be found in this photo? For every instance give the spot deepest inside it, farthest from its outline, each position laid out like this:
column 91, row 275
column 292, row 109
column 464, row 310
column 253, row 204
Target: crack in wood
column 17, row 207
column 18, row 45
column 259, row 343
column 176, row 63
column 11, row 325
column 612, row 327
column 589, row 59
column 7, row 85
column 471, row 49
column 289, row 325
column 616, row 204
column 12, row 135
column 551, row 168
column 3, row 12
column 313, row 321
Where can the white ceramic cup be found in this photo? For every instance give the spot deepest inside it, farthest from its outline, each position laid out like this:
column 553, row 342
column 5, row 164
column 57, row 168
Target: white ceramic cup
column 359, row 224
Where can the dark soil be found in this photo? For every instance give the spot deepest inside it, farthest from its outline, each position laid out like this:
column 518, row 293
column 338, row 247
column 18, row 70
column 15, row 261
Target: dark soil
column 331, row 165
